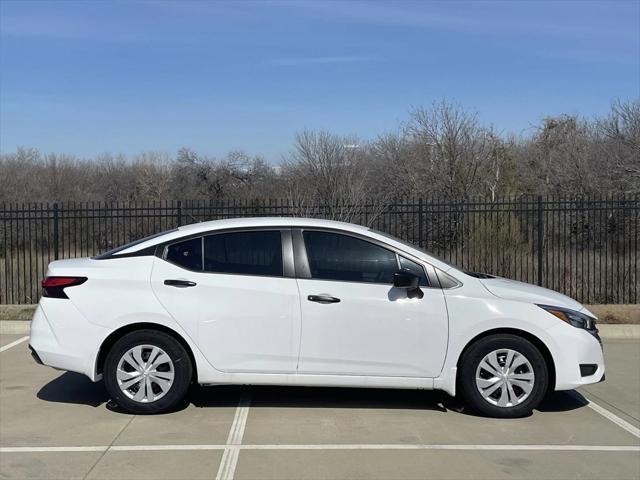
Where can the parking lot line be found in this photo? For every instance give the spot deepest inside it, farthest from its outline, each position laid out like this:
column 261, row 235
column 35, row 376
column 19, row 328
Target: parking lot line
column 614, row 418
column 229, row 460
column 391, row 446
column 13, row 344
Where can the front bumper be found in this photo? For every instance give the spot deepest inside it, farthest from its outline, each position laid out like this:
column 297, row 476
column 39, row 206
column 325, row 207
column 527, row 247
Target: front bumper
column 578, row 357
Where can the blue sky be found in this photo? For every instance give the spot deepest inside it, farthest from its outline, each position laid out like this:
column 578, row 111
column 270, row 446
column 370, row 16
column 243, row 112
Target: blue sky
column 126, row 77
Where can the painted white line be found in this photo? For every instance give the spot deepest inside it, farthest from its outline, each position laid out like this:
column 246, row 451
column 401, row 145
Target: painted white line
column 229, row 460
column 401, row 446
column 52, row 449
column 13, row 344
column 635, row 431
column 134, row 448
column 239, row 421
column 373, row 446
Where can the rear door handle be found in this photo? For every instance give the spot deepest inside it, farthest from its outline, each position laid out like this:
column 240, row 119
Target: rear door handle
column 323, row 298
column 179, row 283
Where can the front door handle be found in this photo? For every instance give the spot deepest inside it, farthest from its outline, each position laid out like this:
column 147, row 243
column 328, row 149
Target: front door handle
column 323, row 298
column 179, row 283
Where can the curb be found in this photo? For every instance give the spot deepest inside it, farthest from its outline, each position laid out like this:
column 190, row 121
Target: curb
column 14, row 327
column 619, row 332
column 607, row 332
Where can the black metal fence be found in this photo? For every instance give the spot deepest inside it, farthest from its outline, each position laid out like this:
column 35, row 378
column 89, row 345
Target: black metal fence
column 585, row 248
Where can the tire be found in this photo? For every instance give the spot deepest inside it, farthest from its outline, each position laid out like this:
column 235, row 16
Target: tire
column 523, row 392
column 143, row 387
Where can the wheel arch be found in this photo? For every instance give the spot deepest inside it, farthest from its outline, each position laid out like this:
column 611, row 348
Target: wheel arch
column 536, row 341
column 114, row 336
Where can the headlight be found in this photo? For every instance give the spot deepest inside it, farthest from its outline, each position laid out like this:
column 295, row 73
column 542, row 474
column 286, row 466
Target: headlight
column 577, row 319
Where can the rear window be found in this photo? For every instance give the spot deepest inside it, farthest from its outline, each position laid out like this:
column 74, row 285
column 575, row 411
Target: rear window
column 116, row 250
column 186, row 254
column 244, row 253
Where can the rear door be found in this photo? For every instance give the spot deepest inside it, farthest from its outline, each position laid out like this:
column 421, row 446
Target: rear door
column 236, row 294
column 354, row 322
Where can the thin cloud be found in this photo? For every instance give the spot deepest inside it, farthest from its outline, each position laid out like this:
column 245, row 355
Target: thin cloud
column 292, row 62
column 407, row 15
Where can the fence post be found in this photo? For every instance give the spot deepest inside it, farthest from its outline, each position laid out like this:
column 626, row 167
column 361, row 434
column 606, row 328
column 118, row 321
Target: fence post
column 420, row 225
column 56, row 232
column 540, row 239
column 179, row 214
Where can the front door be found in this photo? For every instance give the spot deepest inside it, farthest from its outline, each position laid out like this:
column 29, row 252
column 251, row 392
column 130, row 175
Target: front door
column 230, row 288
column 354, row 322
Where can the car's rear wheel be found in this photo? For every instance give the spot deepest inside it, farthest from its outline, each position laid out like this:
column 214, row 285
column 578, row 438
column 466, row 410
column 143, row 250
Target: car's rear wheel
column 147, row 371
column 503, row 376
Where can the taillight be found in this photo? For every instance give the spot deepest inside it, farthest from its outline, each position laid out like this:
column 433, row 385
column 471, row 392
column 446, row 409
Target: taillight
column 53, row 287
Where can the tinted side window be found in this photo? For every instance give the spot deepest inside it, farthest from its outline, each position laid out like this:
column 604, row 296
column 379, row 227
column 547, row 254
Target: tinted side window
column 340, row 257
column 248, row 253
column 187, row 254
column 416, row 269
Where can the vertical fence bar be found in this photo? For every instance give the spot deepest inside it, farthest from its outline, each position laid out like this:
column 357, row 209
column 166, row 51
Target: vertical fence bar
column 179, row 214
column 540, row 239
column 56, row 232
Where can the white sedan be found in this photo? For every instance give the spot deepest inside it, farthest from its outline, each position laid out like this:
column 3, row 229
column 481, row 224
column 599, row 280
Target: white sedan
column 290, row 301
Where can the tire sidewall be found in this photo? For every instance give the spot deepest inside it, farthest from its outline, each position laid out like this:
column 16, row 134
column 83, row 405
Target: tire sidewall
column 181, row 365
column 474, row 356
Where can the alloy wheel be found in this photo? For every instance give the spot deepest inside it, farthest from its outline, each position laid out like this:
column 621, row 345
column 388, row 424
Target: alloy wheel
column 145, row 373
column 505, row 378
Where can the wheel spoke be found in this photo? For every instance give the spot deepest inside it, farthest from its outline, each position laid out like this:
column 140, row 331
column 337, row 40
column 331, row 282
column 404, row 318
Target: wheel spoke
column 519, row 360
column 137, row 354
column 164, row 375
column 487, row 382
column 510, row 356
column 513, row 398
column 525, row 386
column 131, row 382
column 122, row 375
column 489, row 368
column 141, row 393
column 161, row 382
column 504, row 397
column 487, row 392
column 128, row 357
column 152, row 356
column 521, row 376
column 149, row 395
column 162, row 358
column 492, row 360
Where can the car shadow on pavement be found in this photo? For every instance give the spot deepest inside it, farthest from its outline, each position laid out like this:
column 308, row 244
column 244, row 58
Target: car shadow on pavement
column 563, row 401
column 73, row 388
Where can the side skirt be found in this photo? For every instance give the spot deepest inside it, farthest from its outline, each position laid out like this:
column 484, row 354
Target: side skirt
column 293, row 379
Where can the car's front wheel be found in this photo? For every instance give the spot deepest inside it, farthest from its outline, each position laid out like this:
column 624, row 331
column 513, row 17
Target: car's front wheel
column 503, row 376
column 147, row 371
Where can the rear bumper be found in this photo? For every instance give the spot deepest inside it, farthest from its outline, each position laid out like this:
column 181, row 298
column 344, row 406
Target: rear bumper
column 35, row 356
column 63, row 339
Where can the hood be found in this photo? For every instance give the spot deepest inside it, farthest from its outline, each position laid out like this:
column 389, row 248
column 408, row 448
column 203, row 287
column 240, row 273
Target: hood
column 525, row 292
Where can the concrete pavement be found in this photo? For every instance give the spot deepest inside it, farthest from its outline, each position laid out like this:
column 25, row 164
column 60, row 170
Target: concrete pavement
column 60, row 425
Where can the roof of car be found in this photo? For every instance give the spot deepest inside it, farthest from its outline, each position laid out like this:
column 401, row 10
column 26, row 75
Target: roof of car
column 252, row 222
column 249, row 222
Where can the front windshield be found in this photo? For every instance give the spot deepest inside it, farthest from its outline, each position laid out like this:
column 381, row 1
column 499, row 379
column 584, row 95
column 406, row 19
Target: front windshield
column 415, row 247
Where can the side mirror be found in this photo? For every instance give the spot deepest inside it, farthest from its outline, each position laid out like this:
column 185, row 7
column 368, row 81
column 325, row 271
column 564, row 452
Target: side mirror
column 404, row 279
column 410, row 281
